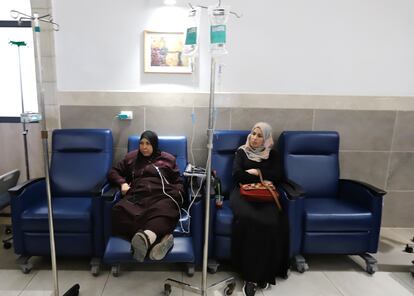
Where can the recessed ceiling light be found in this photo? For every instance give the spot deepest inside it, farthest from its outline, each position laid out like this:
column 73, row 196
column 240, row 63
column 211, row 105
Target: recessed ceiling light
column 170, row 2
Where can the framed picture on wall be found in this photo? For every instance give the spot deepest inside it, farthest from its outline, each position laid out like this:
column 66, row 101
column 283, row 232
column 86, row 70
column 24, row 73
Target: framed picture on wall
column 163, row 53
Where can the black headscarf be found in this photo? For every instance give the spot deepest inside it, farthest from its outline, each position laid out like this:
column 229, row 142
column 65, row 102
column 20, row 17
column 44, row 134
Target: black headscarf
column 152, row 137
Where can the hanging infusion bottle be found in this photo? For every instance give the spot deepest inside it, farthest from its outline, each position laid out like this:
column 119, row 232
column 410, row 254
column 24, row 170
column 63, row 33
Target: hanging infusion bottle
column 218, row 26
column 191, row 37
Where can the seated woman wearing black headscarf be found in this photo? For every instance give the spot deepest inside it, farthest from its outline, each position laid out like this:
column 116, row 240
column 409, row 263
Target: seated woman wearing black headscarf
column 260, row 232
column 150, row 180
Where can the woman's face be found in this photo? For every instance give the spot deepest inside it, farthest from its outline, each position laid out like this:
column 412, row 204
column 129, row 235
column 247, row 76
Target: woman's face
column 145, row 147
column 256, row 138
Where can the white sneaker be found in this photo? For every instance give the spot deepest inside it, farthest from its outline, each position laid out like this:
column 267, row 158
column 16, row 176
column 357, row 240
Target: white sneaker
column 161, row 249
column 140, row 245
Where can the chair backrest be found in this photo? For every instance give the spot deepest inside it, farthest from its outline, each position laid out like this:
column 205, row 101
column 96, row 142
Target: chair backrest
column 175, row 145
column 310, row 158
column 225, row 144
column 81, row 158
column 7, row 181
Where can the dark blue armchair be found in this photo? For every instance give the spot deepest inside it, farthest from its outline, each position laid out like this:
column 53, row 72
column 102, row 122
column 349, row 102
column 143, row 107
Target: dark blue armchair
column 334, row 216
column 187, row 246
column 80, row 161
column 225, row 144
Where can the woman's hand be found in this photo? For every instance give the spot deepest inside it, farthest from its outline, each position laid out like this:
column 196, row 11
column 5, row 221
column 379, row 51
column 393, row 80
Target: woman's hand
column 124, row 188
column 253, row 172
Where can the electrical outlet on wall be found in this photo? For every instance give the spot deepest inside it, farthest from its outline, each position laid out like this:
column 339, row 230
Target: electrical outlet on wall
column 125, row 115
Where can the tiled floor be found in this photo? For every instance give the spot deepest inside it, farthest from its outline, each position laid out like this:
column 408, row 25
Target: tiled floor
column 328, row 275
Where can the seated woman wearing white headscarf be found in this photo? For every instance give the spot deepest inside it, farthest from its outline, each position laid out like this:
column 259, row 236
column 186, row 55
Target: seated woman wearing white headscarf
column 260, row 232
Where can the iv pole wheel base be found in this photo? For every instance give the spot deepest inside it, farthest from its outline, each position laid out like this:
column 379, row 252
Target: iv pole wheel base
column 229, row 289
column 167, row 289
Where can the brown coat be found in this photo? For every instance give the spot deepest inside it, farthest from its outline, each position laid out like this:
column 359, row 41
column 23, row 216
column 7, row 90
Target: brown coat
column 147, row 192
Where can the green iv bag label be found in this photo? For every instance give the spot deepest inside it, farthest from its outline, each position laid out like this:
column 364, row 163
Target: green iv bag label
column 218, row 34
column 191, row 37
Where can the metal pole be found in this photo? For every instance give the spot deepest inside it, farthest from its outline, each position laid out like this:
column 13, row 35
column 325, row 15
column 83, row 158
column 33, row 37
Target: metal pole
column 24, row 133
column 44, row 136
column 208, row 175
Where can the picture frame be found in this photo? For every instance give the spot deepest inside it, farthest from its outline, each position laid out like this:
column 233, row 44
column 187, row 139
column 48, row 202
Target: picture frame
column 163, row 53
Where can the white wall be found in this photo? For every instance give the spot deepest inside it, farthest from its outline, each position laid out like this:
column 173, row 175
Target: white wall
column 333, row 47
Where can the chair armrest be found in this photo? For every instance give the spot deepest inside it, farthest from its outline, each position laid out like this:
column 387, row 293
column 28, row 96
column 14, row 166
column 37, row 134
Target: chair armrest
column 374, row 190
column 109, row 195
column 18, row 189
column 292, row 189
column 359, row 193
column 99, row 188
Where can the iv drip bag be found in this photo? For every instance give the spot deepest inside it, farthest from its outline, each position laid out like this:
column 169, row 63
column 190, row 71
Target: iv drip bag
column 191, row 37
column 218, row 26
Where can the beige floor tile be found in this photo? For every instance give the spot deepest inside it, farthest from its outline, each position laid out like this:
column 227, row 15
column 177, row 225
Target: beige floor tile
column 213, row 279
column 310, row 283
column 42, row 282
column 145, row 283
column 360, row 283
column 12, row 282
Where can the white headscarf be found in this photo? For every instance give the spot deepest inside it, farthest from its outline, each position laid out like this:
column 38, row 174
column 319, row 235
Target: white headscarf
column 260, row 153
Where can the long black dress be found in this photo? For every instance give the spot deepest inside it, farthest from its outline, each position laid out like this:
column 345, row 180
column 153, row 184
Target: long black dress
column 260, row 233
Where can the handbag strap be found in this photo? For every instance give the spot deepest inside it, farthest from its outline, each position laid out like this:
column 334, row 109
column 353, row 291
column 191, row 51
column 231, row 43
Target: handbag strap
column 272, row 192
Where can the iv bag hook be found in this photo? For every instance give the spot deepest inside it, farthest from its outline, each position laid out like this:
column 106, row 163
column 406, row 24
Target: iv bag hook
column 47, row 18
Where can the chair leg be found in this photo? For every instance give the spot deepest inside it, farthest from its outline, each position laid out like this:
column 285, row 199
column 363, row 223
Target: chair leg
column 212, row 265
column 115, row 270
column 190, row 269
column 24, row 263
column 95, row 266
column 371, row 263
column 300, row 263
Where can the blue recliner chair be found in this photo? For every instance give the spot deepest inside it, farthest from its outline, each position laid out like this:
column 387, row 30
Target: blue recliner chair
column 225, row 144
column 335, row 216
column 187, row 246
column 80, row 161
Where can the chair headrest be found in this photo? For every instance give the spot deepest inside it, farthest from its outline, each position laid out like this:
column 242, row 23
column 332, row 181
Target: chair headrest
column 82, row 140
column 175, row 145
column 227, row 141
column 309, row 142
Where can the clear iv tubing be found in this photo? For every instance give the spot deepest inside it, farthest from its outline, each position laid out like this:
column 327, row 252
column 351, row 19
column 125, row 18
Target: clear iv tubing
column 176, row 203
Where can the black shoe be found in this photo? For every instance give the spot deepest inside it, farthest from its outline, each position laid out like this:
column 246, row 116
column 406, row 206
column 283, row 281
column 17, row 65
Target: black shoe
column 249, row 288
column 263, row 285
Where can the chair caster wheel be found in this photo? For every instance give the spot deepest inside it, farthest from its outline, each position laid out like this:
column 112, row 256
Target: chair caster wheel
column 95, row 270
column 7, row 245
column 302, row 267
column 115, row 270
column 26, row 270
column 371, row 269
column 167, row 289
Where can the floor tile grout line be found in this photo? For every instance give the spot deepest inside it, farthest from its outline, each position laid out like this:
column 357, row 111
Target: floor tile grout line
column 106, row 282
column 28, row 283
column 332, row 283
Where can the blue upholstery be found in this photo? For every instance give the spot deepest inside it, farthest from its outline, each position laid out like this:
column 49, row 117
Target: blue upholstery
column 225, row 144
column 335, row 216
column 81, row 159
column 175, row 145
column 187, row 246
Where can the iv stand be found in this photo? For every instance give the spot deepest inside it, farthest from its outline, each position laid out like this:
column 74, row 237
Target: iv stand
column 229, row 283
column 25, row 131
column 74, row 290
